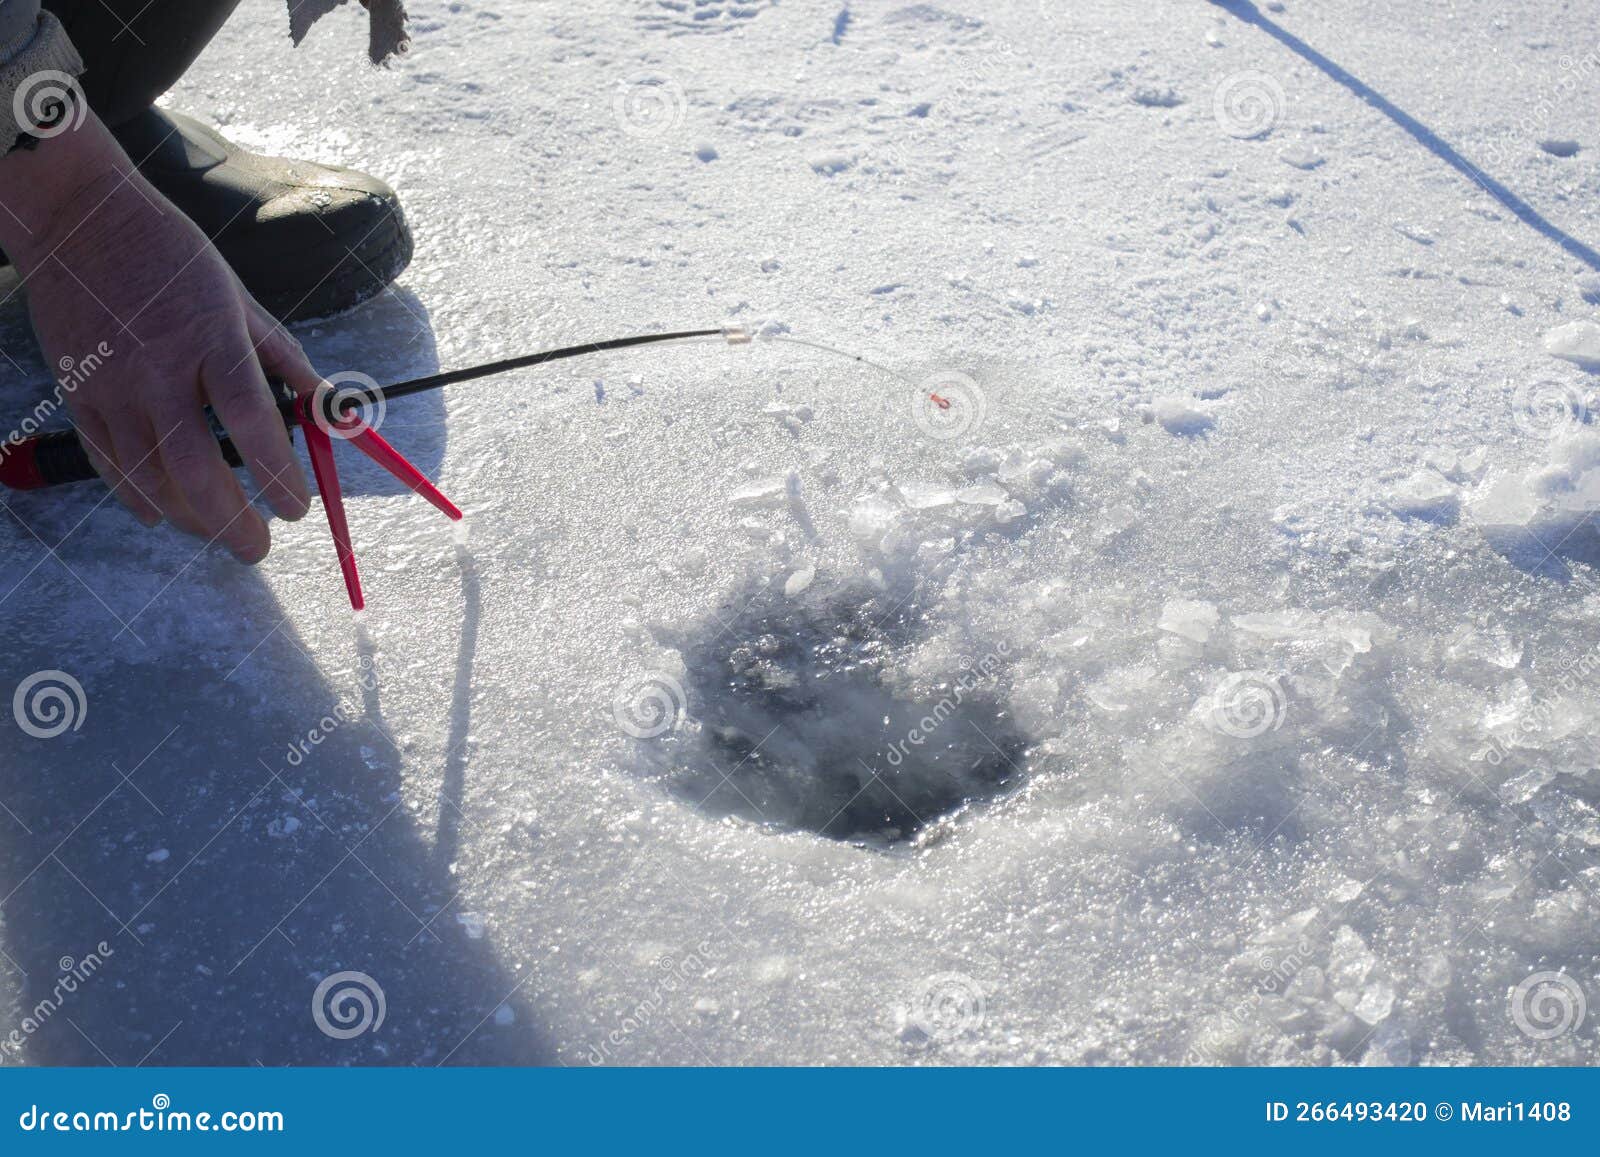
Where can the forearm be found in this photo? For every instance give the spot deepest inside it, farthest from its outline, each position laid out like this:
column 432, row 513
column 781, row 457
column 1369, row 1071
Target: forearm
column 38, row 67
column 51, row 189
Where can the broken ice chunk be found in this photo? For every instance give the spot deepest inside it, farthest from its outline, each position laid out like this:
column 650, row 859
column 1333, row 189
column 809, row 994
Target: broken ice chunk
column 1346, row 891
column 1301, row 157
column 1505, row 506
column 1290, row 931
column 1009, row 511
column 830, row 164
column 1389, row 1047
column 1192, row 619
column 871, row 518
column 1425, row 494
column 1436, row 971
column 1182, row 416
column 1350, row 959
column 1375, row 1003
column 1026, row 475
column 1555, row 499
column 1493, row 646
column 283, row 827
column 1523, row 788
column 983, row 494
column 1275, row 625
column 1120, row 689
column 926, row 495
column 799, row 581
column 1460, row 466
column 795, row 497
column 762, row 492
column 692, row 561
column 976, row 460
column 1116, row 521
column 1063, row 452
column 1577, row 342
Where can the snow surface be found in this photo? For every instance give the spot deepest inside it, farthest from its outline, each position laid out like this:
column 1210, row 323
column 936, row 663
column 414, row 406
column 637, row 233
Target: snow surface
column 1216, row 478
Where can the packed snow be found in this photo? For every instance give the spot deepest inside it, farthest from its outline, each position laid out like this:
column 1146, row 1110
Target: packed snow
column 1134, row 601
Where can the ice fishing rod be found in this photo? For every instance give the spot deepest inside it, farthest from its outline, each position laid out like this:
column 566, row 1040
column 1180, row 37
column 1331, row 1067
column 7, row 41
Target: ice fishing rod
column 323, row 415
column 58, row 458
column 330, row 412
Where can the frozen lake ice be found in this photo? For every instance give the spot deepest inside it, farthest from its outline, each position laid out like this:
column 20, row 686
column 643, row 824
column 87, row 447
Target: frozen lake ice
column 1153, row 621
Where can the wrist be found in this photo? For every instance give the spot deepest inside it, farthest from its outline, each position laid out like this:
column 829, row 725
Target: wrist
column 47, row 191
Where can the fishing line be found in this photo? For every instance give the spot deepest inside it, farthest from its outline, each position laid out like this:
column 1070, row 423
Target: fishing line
column 58, row 458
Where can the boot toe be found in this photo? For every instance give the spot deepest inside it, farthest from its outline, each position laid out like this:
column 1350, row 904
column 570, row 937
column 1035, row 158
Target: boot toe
column 306, row 239
column 330, row 239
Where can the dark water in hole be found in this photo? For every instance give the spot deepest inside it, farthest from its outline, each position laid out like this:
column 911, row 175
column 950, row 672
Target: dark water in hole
column 803, row 724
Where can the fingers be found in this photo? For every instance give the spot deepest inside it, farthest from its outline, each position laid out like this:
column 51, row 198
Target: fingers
column 194, row 464
column 115, row 452
column 280, row 354
column 232, row 381
column 177, row 510
column 152, row 444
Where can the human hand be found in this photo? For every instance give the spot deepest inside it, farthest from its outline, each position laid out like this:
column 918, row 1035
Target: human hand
column 106, row 259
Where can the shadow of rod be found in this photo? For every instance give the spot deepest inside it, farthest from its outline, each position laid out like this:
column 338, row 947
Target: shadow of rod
column 1247, row 12
column 448, row 840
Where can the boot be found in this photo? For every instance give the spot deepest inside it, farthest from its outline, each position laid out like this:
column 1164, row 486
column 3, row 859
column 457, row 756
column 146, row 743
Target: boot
column 306, row 239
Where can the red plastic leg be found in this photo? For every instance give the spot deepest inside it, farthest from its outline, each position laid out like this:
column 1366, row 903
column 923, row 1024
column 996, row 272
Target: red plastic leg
column 320, row 447
column 373, row 445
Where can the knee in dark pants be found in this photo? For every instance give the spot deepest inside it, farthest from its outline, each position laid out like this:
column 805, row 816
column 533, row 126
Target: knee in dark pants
column 134, row 50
